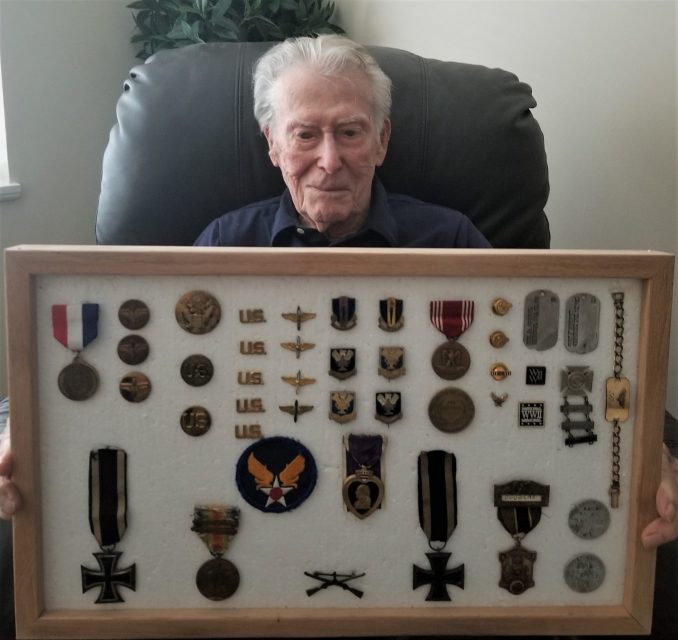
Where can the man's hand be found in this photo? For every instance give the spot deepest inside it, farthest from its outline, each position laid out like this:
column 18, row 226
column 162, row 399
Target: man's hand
column 10, row 500
column 665, row 527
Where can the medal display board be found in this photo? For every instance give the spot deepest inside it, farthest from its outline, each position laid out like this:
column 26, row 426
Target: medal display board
column 232, row 442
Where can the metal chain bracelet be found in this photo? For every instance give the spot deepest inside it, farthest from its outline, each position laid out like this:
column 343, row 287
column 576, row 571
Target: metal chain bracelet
column 617, row 397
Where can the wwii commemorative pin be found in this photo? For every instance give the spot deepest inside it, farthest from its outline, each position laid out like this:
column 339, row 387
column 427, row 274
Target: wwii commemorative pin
column 391, row 314
column 519, row 504
column 451, row 360
column 134, row 314
column 276, row 474
column 75, row 326
column 582, row 313
column 216, row 526
column 391, row 362
column 363, row 488
column 343, row 313
column 342, row 406
column 388, row 406
column 108, row 524
column 437, row 497
column 540, row 324
column 342, row 363
column 197, row 312
column 451, row 410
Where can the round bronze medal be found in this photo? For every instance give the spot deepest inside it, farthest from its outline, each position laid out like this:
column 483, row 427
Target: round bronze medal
column 451, row 410
column 197, row 370
column 451, row 360
column 133, row 349
column 501, row 306
column 217, row 579
column 133, row 314
column 78, row 380
column 499, row 371
column 498, row 339
column 197, row 312
column 195, row 421
column 135, row 387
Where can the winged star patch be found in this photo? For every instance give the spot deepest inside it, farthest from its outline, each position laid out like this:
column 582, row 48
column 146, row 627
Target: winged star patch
column 276, row 474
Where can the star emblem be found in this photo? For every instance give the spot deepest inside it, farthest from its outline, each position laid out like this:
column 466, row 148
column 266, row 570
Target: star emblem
column 275, row 493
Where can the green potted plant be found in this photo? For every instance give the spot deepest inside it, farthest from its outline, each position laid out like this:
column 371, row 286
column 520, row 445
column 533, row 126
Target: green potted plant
column 168, row 24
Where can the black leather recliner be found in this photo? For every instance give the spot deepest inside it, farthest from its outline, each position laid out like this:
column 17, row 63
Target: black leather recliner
column 186, row 148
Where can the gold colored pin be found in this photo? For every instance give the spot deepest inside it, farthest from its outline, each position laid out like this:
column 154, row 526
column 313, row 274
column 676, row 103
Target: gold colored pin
column 500, row 371
column 501, row 306
column 297, row 346
column 299, row 316
column 498, row 339
column 296, row 409
column 298, row 381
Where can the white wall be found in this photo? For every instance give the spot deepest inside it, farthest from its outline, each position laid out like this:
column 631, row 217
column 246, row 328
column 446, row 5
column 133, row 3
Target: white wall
column 63, row 65
column 603, row 72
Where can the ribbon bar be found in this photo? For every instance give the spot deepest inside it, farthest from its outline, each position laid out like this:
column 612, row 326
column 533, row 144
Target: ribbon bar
column 452, row 317
column 108, row 495
column 75, row 325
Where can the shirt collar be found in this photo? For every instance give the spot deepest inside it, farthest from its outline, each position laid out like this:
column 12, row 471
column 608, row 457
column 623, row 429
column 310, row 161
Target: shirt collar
column 379, row 220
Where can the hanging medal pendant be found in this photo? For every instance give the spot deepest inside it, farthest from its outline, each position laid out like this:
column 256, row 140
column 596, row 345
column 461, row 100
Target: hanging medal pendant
column 519, row 507
column 75, row 326
column 216, row 525
column 517, row 567
column 108, row 524
column 451, row 360
column 363, row 486
column 363, row 492
column 78, row 380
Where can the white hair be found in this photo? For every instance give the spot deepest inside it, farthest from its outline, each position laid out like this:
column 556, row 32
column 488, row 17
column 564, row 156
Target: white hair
column 331, row 55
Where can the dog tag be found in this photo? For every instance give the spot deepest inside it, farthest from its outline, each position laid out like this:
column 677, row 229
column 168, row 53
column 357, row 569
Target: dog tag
column 582, row 314
column 540, row 327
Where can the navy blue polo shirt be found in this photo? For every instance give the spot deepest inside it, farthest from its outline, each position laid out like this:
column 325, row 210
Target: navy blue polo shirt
column 394, row 221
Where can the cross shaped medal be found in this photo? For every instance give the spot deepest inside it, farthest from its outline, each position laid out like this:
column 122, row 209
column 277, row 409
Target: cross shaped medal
column 108, row 578
column 438, row 577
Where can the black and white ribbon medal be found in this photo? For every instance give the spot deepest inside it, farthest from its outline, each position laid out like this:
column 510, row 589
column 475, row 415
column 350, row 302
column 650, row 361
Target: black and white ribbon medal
column 437, row 492
column 108, row 523
column 519, row 504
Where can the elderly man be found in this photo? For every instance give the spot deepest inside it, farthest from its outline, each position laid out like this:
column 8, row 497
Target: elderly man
column 323, row 105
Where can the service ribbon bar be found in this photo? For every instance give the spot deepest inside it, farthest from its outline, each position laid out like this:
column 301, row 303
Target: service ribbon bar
column 75, row 325
column 108, row 495
column 452, row 317
column 216, row 525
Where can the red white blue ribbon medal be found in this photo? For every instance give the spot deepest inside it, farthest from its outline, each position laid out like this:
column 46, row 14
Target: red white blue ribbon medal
column 75, row 326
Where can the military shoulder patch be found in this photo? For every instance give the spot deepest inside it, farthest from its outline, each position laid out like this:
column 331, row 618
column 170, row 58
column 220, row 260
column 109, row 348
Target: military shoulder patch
column 276, row 474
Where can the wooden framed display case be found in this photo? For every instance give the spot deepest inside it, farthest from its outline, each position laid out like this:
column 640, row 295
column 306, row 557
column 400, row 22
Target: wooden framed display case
column 320, row 549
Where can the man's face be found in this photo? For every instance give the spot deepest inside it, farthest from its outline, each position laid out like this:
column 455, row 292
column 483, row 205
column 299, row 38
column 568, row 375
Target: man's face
column 327, row 145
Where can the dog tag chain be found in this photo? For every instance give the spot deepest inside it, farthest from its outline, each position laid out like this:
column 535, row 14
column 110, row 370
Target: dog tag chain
column 618, row 396
column 108, row 523
column 437, row 492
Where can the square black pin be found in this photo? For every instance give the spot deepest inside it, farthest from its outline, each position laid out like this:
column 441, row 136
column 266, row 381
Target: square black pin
column 535, row 375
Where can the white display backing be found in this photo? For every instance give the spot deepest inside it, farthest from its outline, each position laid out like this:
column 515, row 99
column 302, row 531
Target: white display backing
column 170, row 472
